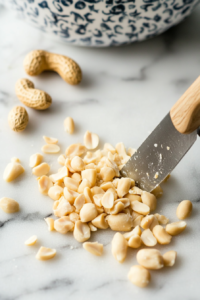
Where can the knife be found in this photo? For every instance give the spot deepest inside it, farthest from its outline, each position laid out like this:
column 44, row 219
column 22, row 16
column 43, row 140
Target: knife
column 168, row 143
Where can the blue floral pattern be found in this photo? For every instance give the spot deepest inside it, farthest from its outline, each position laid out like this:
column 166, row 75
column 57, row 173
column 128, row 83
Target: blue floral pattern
column 103, row 22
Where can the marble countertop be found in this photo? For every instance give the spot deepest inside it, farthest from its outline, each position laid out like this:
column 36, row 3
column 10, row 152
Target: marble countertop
column 125, row 92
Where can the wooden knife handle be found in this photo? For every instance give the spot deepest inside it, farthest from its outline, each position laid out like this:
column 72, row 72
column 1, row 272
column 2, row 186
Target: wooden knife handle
column 185, row 114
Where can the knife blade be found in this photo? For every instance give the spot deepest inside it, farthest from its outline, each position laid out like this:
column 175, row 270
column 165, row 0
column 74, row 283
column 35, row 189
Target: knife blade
column 158, row 155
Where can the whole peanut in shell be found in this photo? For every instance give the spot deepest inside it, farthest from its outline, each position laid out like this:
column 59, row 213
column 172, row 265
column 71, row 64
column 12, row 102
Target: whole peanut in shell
column 18, row 118
column 38, row 61
column 30, row 96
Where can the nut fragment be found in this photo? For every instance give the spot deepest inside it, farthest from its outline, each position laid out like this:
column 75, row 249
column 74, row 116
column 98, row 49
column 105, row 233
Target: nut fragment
column 149, row 199
column 50, row 148
column 45, row 253
column 120, row 222
column 69, row 125
column 135, row 231
column 107, row 200
column 88, row 212
column 135, row 241
column 91, row 140
column 63, row 172
column 139, row 276
column 12, row 171
column 107, row 173
column 133, row 197
column 184, row 209
column 77, row 164
column 100, row 221
column 148, row 238
column 150, row 259
column 176, row 227
column 162, row 220
column 74, row 217
column 63, row 208
column 94, row 248
column 79, row 201
column 15, row 159
column 92, row 227
column 31, row 241
column 140, row 208
column 70, row 195
column 63, row 225
column 50, row 223
column 55, row 192
column 85, row 183
column 90, row 175
column 40, row 170
column 35, row 160
column 61, row 160
column 71, row 183
column 146, row 221
column 169, row 258
column 119, row 247
column 123, row 186
column 76, row 176
column 158, row 192
column 75, row 150
column 18, row 119
column 9, row 205
column 81, row 232
column 88, row 195
column 50, row 140
column 44, row 184
column 161, row 235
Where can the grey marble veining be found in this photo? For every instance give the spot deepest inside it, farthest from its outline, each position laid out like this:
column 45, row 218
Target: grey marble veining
column 125, row 92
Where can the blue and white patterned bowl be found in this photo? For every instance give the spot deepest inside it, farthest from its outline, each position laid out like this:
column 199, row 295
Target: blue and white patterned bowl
column 103, row 22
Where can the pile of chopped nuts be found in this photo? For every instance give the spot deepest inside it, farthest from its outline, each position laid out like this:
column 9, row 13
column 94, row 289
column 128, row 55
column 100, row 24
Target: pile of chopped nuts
column 89, row 194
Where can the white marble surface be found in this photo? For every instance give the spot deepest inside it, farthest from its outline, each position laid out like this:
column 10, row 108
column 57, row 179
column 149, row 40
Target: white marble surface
column 125, row 92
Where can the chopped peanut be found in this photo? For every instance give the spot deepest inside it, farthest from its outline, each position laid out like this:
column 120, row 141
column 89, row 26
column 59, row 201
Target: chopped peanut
column 50, row 140
column 91, row 140
column 31, row 241
column 35, row 160
column 12, row 171
column 45, row 253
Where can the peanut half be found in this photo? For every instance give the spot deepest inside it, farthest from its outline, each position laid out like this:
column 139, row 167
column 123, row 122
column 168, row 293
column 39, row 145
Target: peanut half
column 139, row 276
column 81, row 232
column 69, row 125
column 169, row 258
column 161, row 235
column 50, row 149
column 18, row 118
column 119, row 247
column 30, row 96
column 38, row 61
column 9, row 205
column 150, row 259
column 184, row 209
column 176, row 227
column 94, row 248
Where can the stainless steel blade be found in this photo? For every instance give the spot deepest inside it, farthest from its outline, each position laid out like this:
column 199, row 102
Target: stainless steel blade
column 158, row 155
